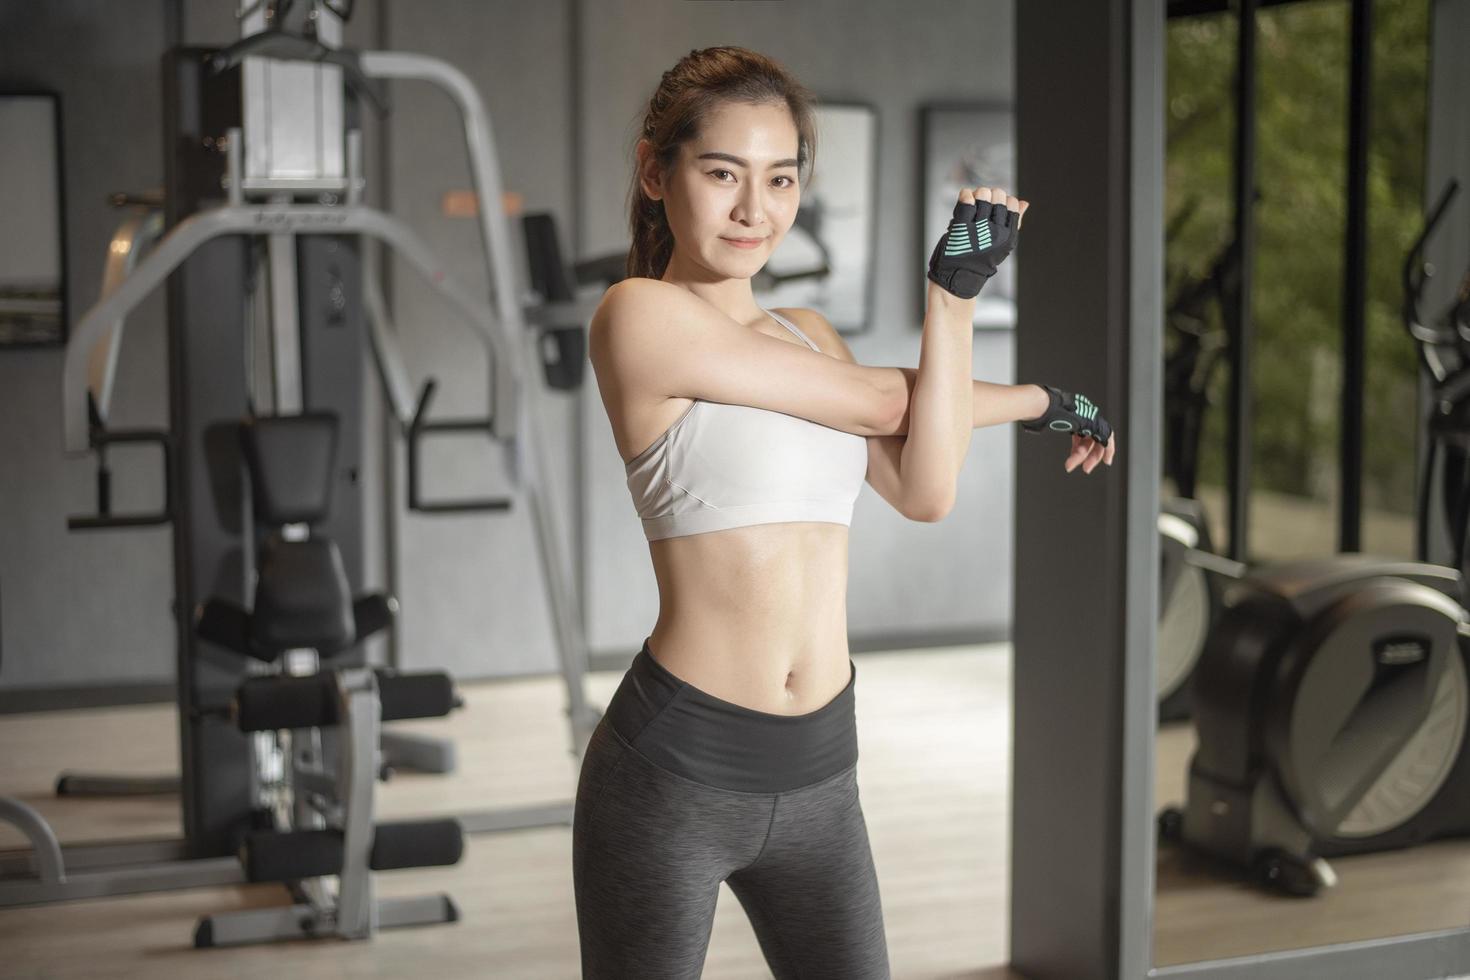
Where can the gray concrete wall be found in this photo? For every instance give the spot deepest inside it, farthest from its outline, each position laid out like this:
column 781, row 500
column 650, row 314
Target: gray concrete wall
column 67, row 617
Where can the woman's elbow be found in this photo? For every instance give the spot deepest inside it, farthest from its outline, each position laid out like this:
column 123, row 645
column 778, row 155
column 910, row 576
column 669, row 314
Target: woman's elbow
column 931, row 510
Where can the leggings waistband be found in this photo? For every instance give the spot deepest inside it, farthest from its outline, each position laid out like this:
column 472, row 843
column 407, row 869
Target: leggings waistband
column 716, row 742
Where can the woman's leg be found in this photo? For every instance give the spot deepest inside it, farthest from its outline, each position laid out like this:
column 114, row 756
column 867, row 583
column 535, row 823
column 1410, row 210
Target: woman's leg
column 812, row 894
column 649, row 850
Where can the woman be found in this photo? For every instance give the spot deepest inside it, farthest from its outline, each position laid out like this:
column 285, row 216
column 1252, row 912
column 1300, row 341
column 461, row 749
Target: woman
column 729, row 751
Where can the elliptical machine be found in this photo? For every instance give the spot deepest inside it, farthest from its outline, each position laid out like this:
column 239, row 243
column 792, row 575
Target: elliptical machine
column 1331, row 700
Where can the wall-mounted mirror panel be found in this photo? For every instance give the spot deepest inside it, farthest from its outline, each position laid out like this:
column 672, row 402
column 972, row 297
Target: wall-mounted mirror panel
column 1312, row 774
column 32, row 236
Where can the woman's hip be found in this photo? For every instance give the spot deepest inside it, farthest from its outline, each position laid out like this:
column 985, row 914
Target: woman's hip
column 717, row 743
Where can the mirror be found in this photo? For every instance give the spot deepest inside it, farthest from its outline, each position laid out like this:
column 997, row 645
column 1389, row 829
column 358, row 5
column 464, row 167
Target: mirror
column 32, row 237
column 1311, row 764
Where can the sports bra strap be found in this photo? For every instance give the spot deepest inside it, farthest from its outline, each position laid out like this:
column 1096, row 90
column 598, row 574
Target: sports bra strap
column 794, row 329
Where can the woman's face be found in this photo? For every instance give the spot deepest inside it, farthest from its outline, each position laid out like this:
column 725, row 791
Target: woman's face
column 737, row 180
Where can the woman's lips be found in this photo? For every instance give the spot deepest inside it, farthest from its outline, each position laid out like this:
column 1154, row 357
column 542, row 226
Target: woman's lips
column 744, row 243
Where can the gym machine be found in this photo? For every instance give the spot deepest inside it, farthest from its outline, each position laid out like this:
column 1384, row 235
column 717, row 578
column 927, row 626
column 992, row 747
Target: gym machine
column 1331, row 698
column 289, row 237
column 1189, row 590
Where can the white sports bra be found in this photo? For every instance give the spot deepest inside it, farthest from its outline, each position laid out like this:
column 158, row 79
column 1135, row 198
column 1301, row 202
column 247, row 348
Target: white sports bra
column 721, row 466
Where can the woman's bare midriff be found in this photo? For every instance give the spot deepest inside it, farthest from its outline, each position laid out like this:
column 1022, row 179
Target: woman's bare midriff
column 756, row 615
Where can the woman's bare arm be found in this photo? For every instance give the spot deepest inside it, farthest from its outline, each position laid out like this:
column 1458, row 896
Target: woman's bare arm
column 941, row 405
column 991, row 404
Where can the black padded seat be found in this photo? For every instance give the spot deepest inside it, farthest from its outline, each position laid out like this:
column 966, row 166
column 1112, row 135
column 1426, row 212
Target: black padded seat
column 302, row 598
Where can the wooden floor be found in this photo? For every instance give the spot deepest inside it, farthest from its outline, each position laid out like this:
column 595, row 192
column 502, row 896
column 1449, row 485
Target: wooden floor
column 934, row 736
column 1201, row 913
column 934, row 733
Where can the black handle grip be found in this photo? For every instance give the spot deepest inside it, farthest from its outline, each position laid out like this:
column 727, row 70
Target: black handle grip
column 104, row 518
column 420, row 427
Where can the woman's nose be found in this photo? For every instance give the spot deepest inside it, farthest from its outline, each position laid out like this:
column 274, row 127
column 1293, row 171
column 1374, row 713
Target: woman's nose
column 751, row 207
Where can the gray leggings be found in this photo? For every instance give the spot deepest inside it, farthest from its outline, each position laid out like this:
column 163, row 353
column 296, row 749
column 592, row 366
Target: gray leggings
column 680, row 791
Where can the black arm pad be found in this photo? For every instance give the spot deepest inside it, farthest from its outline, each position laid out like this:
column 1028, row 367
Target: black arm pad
column 271, row 702
column 426, row 695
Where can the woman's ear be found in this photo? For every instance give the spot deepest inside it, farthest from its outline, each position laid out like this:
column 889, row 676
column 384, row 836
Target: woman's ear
column 649, row 177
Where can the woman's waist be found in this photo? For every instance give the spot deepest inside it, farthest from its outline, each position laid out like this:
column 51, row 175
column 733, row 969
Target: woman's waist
column 775, row 668
column 773, row 572
column 703, row 737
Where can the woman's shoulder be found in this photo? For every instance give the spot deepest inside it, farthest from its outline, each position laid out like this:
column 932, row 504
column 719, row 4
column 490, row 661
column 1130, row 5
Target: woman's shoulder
column 641, row 287
column 640, row 305
column 815, row 325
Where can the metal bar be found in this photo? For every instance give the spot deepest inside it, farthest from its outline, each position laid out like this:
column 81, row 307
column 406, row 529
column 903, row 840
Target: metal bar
column 1196, row 8
column 203, row 873
column 1146, row 141
column 100, row 784
column 1435, row 954
column 132, row 239
column 1238, row 424
column 419, row 910
column 516, row 818
column 494, row 229
column 517, row 376
column 479, row 141
column 264, row 219
column 387, row 435
column 285, row 331
column 106, row 854
column 356, row 763
column 387, row 354
column 45, row 850
column 1355, row 282
column 265, row 925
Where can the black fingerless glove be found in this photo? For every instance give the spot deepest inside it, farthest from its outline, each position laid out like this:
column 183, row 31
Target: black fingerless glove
column 979, row 238
column 1071, row 413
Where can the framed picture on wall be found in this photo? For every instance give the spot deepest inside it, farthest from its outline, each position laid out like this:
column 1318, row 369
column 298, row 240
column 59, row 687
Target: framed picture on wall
column 32, row 232
column 825, row 262
column 967, row 146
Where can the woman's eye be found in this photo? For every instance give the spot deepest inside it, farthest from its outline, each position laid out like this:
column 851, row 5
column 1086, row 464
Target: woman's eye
column 789, row 181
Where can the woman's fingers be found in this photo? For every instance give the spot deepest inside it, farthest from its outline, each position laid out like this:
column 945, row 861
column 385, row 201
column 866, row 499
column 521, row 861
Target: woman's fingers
column 1094, row 456
column 1077, row 455
column 996, row 195
column 1089, row 453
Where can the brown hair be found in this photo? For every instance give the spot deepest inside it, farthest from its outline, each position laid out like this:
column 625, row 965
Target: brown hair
column 702, row 81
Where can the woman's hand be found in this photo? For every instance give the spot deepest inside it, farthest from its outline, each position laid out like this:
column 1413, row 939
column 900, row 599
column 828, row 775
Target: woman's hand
column 1093, row 439
column 983, row 231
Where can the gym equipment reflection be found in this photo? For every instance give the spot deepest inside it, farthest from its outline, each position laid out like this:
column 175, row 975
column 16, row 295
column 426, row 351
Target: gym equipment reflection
column 1312, row 778
column 1327, row 706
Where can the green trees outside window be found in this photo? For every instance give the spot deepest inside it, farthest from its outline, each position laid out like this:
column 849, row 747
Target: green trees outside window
column 1296, row 367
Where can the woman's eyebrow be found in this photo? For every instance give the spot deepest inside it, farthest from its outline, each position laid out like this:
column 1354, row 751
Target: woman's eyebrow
column 731, row 158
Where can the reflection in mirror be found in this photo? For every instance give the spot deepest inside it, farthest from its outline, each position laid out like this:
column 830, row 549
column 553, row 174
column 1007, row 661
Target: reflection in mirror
column 32, row 263
column 1312, row 778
